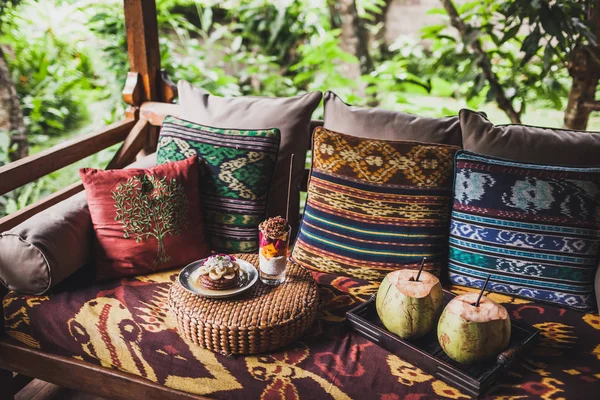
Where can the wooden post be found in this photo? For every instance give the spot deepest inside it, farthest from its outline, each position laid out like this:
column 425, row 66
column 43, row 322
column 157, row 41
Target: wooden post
column 142, row 45
column 144, row 81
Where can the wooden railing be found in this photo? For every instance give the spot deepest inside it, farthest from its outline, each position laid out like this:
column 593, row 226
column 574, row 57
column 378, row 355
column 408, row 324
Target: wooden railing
column 26, row 170
column 133, row 133
column 149, row 94
column 145, row 83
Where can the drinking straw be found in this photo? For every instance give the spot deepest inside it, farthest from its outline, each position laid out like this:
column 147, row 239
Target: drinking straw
column 421, row 268
column 287, row 208
column 482, row 290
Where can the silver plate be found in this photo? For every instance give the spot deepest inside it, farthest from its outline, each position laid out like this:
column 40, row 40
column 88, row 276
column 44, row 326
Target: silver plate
column 189, row 275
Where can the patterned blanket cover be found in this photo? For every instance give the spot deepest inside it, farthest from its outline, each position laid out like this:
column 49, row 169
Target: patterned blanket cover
column 126, row 325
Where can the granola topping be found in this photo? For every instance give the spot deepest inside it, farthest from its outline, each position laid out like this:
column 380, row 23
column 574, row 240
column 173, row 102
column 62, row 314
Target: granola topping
column 274, row 228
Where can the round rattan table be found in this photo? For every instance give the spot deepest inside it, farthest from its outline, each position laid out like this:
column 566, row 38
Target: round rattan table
column 258, row 320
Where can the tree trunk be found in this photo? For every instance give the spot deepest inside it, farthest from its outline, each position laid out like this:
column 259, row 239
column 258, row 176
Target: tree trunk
column 584, row 68
column 354, row 36
column 354, row 39
column 11, row 116
column 381, row 19
column 484, row 63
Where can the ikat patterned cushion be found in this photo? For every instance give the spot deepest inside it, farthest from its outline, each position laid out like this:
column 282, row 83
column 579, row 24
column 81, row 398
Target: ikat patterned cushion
column 374, row 206
column 534, row 228
column 236, row 167
column 291, row 115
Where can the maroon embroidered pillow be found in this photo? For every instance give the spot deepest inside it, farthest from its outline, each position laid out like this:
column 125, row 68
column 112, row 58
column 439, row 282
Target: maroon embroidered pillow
column 145, row 220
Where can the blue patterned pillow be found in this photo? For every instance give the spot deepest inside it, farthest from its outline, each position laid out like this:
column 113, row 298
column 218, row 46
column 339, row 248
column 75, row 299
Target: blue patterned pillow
column 534, row 228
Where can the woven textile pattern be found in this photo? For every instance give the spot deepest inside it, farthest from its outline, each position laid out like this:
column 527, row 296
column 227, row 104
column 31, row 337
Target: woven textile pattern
column 125, row 325
column 235, row 174
column 535, row 229
column 375, row 205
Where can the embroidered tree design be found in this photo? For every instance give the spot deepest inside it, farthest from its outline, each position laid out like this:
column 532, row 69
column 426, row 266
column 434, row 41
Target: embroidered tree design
column 148, row 206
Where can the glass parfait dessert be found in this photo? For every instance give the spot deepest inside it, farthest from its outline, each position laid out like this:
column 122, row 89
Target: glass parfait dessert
column 273, row 243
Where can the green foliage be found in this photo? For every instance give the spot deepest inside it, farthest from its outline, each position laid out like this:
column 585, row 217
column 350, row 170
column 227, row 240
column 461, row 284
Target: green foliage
column 528, row 43
column 4, row 147
column 276, row 28
column 370, row 9
column 106, row 19
column 321, row 65
column 69, row 60
column 52, row 70
column 391, row 82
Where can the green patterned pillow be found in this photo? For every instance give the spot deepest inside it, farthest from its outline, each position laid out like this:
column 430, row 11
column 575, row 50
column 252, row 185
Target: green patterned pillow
column 235, row 175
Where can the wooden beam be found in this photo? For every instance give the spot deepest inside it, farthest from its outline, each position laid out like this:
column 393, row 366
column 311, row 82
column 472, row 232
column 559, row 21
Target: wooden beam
column 132, row 92
column 14, row 219
column 133, row 144
column 79, row 375
column 152, row 143
column 28, row 169
column 142, row 45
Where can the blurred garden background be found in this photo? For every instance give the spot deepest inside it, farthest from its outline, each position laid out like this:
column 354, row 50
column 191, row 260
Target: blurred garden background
column 63, row 63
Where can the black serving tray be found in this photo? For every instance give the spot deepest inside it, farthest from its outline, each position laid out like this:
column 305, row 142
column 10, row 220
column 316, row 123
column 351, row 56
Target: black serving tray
column 427, row 354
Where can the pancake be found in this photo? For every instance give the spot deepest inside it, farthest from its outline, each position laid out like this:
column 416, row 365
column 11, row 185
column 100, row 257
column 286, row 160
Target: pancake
column 220, row 284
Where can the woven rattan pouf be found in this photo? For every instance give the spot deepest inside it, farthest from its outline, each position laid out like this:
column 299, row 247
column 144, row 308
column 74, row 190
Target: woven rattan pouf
column 259, row 320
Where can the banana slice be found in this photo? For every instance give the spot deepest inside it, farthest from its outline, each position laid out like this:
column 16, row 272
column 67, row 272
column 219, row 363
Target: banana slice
column 230, row 275
column 214, row 275
column 203, row 270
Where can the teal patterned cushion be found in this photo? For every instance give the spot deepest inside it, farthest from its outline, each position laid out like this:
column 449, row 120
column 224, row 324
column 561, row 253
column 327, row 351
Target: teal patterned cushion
column 534, row 228
column 235, row 175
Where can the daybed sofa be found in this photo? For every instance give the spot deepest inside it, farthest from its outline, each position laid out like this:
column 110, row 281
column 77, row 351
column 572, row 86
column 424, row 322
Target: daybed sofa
column 118, row 339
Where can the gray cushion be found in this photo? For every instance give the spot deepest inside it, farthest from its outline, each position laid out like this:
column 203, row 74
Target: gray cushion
column 41, row 252
column 523, row 143
column 290, row 115
column 377, row 123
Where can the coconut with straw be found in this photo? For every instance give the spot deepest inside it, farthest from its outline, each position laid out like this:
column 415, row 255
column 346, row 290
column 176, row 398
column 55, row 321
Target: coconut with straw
column 409, row 302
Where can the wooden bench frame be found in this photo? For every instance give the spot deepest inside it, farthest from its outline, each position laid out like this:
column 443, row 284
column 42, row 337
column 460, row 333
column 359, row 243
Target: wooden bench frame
column 138, row 135
column 149, row 94
column 63, row 371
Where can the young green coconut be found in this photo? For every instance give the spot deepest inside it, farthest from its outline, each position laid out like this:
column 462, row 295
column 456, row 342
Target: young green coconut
column 408, row 302
column 473, row 328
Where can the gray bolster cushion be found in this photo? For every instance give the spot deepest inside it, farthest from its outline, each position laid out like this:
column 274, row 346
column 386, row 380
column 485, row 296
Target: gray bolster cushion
column 41, row 252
